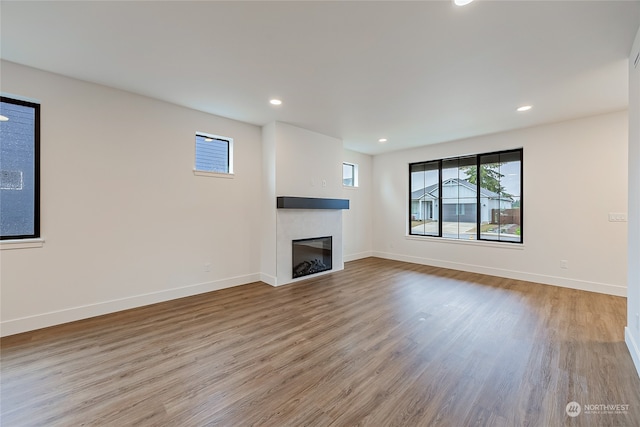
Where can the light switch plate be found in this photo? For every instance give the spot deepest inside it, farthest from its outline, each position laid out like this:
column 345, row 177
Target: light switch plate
column 617, row 217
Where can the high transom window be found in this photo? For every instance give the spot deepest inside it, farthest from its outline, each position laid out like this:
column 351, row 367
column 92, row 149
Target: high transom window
column 214, row 154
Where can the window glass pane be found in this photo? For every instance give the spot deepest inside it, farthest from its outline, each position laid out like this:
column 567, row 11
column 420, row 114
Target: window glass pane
column 18, row 178
column 424, row 211
column 212, row 154
column 459, row 198
column 348, row 175
column 500, row 183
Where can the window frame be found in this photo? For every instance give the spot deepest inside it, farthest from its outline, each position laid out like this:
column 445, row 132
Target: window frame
column 478, row 235
column 36, row 168
column 354, row 169
column 202, row 172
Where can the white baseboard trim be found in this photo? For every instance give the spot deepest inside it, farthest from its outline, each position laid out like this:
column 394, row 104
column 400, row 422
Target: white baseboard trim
column 30, row 323
column 309, row 277
column 268, row 279
column 632, row 345
column 361, row 255
column 583, row 285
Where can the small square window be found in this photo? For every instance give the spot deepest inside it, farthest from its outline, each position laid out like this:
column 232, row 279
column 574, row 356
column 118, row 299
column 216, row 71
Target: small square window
column 214, row 154
column 349, row 174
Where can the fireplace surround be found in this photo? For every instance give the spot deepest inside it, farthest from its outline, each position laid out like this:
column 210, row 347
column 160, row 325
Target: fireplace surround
column 299, row 223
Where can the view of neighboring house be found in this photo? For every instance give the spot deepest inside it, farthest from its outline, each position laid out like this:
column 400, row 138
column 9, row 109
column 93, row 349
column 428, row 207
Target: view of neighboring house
column 459, row 202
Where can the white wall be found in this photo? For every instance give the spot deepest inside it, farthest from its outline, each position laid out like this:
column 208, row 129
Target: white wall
column 632, row 332
column 575, row 173
column 357, row 222
column 308, row 164
column 125, row 220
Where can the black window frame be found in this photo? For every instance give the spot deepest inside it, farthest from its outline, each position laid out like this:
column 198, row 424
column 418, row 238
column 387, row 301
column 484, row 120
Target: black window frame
column 36, row 166
column 478, row 157
column 354, row 171
column 229, row 143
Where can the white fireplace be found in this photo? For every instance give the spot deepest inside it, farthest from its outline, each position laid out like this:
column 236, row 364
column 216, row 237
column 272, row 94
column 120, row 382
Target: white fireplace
column 298, row 224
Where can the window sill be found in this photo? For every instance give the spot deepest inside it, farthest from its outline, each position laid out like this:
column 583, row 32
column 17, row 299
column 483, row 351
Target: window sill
column 350, row 187
column 501, row 245
column 21, row 244
column 213, row 174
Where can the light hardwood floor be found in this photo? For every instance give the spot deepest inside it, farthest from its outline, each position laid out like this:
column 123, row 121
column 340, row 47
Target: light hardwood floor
column 382, row 343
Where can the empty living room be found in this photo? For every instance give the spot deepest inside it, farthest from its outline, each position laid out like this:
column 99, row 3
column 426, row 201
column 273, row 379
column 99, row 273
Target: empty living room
column 320, row 213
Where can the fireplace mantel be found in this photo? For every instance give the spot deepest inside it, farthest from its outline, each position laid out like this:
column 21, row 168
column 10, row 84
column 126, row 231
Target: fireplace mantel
column 289, row 202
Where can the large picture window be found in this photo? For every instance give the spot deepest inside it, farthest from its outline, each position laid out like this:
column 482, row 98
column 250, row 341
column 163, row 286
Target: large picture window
column 472, row 197
column 19, row 169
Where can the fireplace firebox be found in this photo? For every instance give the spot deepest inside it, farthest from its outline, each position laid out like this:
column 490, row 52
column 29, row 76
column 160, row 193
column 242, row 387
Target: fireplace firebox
column 311, row 256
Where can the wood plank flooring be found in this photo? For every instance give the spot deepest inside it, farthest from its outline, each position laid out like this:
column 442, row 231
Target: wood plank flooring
column 382, row 343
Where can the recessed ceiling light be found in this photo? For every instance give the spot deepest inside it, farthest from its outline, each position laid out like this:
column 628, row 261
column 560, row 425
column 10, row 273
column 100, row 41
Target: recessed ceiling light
column 462, row 2
column 275, row 102
column 4, row 118
column 208, row 139
column 382, row 140
column 524, row 108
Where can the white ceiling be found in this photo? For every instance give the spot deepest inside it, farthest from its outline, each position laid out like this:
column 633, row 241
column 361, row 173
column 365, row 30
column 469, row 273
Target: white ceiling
column 416, row 72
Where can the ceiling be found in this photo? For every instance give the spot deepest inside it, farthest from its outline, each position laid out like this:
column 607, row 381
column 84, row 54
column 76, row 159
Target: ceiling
column 416, row 73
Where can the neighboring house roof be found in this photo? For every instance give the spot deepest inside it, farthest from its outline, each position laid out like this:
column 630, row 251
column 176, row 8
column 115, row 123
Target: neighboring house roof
column 432, row 190
column 418, row 194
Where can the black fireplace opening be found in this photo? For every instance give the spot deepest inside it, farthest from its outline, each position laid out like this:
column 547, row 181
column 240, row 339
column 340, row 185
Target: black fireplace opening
column 311, row 256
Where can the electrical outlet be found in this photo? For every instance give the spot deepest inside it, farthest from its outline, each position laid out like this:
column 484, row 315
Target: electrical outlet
column 564, row 264
column 324, row 182
column 207, row 267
